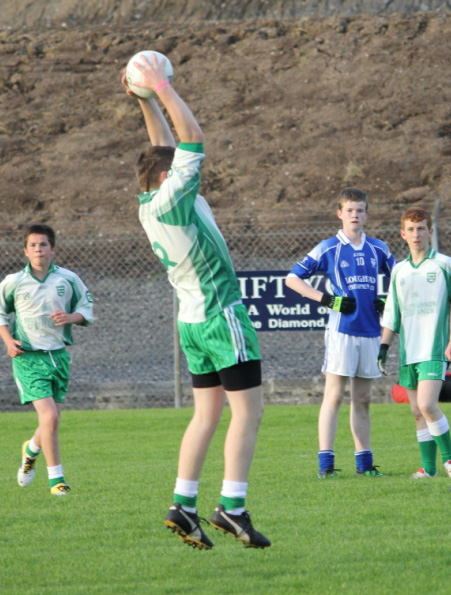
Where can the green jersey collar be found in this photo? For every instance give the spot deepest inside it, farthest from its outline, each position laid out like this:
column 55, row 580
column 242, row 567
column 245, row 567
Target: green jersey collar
column 146, row 196
column 429, row 254
column 52, row 268
column 193, row 147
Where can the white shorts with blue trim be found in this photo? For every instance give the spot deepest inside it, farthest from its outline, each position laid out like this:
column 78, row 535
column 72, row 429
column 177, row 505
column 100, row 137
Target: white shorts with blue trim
column 347, row 355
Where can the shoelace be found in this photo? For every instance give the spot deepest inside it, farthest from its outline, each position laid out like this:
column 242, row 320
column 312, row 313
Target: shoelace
column 28, row 465
column 64, row 488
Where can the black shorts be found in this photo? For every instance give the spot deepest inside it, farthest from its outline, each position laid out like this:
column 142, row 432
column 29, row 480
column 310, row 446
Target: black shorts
column 241, row 376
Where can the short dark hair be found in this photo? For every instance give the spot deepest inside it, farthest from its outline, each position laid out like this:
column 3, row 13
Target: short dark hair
column 416, row 215
column 151, row 162
column 42, row 229
column 353, row 195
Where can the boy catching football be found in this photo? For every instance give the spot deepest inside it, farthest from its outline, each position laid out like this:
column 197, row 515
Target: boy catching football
column 216, row 333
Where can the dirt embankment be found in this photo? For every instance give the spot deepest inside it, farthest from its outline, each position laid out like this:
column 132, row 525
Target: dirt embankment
column 292, row 109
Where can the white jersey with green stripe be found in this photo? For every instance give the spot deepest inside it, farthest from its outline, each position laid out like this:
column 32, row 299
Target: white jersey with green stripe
column 32, row 300
column 183, row 234
column 418, row 307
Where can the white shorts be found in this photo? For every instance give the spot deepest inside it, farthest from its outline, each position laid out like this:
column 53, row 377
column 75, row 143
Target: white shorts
column 351, row 356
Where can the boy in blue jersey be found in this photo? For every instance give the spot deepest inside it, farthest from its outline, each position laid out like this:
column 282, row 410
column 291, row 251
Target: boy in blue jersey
column 352, row 262
column 216, row 333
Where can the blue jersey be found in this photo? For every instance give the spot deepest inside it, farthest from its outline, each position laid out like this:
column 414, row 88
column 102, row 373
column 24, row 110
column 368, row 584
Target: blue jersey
column 352, row 271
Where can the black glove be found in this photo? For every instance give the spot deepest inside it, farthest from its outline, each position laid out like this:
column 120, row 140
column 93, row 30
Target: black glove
column 382, row 357
column 346, row 305
column 379, row 305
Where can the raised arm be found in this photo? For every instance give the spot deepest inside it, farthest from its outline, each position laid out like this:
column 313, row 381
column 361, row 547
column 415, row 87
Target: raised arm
column 159, row 131
column 185, row 124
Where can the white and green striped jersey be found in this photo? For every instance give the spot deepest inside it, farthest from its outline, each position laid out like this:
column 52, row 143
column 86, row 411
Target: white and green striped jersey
column 418, row 307
column 183, row 234
column 32, row 300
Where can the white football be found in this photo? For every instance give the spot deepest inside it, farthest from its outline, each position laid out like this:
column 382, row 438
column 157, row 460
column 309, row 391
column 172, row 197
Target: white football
column 134, row 75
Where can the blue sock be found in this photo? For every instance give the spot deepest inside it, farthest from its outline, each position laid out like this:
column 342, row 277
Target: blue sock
column 364, row 460
column 326, row 459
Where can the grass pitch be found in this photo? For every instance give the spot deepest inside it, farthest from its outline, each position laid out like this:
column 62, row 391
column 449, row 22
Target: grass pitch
column 352, row 535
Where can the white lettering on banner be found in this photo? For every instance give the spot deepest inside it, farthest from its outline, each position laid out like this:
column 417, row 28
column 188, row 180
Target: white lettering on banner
column 242, row 282
column 258, row 285
column 253, row 310
column 280, row 284
column 281, row 323
column 281, row 310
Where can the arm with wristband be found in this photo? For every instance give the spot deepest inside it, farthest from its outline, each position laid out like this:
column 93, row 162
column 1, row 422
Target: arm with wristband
column 345, row 305
column 386, row 339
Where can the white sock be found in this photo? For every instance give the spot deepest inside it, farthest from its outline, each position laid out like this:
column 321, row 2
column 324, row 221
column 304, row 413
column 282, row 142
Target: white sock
column 187, row 488
column 424, row 436
column 439, row 427
column 34, row 447
column 56, row 471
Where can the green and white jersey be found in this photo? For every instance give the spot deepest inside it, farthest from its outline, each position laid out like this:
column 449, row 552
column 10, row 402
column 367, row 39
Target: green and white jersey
column 418, row 307
column 32, row 300
column 183, row 234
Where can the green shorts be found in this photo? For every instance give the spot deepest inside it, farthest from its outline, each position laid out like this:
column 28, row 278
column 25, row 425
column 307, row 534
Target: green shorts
column 412, row 374
column 41, row 374
column 220, row 342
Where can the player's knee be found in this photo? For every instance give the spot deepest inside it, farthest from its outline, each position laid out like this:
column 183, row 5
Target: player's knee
column 416, row 412
column 428, row 410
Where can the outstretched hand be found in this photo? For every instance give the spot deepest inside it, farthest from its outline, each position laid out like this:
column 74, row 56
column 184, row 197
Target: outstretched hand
column 153, row 72
column 127, row 88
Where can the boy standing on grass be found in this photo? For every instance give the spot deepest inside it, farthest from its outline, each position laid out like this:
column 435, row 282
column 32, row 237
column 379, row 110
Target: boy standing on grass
column 418, row 308
column 352, row 262
column 46, row 300
column 216, row 333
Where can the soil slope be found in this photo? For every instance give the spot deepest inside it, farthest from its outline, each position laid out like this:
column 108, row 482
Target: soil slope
column 293, row 108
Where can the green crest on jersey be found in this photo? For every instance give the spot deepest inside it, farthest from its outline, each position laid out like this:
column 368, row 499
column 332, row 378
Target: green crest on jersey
column 162, row 255
column 431, row 277
column 61, row 290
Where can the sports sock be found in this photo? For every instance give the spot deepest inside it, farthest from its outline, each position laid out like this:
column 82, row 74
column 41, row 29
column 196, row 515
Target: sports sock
column 363, row 460
column 440, row 433
column 428, row 451
column 32, row 449
column 326, row 460
column 233, row 496
column 185, row 494
column 55, row 475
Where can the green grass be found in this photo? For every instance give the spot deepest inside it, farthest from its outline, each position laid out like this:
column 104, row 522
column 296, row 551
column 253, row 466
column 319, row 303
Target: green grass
column 353, row 535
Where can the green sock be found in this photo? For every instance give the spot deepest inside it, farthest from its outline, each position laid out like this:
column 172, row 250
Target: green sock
column 428, row 452
column 232, row 503
column 30, row 453
column 189, row 502
column 56, row 480
column 444, row 444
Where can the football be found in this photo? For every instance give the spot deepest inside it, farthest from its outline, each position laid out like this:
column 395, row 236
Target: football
column 133, row 75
